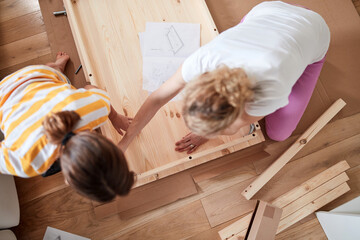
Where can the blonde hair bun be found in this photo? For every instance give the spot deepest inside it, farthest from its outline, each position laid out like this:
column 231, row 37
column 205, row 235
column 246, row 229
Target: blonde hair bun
column 215, row 99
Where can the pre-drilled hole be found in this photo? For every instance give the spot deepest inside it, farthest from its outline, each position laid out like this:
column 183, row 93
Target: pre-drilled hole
column 190, row 157
column 253, row 134
column 90, row 75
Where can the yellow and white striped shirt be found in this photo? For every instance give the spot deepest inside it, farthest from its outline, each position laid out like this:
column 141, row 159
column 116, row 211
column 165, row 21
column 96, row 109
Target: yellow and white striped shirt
column 26, row 97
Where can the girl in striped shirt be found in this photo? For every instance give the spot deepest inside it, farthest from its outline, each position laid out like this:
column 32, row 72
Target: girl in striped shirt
column 44, row 118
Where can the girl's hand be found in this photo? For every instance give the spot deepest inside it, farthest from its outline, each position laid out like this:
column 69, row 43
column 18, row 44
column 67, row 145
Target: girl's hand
column 190, row 143
column 121, row 123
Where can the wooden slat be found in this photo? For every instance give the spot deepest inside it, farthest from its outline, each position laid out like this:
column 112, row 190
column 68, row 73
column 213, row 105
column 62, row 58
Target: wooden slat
column 313, row 206
column 311, row 184
column 24, row 50
column 314, row 194
column 320, row 181
column 259, row 182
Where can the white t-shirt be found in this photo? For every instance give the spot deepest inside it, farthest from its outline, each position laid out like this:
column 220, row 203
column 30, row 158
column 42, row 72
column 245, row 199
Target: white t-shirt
column 274, row 45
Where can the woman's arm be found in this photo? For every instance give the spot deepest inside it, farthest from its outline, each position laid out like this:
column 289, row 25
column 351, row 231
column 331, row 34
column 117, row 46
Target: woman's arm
column 151, row 105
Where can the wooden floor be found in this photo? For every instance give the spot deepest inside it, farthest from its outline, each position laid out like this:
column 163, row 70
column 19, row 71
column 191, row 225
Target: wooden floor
column 49, row 202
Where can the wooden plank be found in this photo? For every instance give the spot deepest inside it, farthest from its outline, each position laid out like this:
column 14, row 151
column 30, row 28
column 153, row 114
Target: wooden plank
column 106, row 35
column 24, row 50
column 21, row 27
column 239, row 227
column 311, row 184
column 61, row 39
column 259, row 182
column 11, row 9
column 313, row 206
column 314, row 194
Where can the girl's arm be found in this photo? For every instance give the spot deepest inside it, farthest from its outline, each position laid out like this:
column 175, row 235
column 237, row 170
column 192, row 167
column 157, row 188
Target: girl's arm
column 151, row 105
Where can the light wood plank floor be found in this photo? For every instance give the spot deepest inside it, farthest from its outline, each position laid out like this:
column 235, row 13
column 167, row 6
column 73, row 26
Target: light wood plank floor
column 49, row 202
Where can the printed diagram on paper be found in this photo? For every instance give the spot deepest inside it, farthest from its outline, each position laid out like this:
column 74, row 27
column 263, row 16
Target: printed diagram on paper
column 164, row 47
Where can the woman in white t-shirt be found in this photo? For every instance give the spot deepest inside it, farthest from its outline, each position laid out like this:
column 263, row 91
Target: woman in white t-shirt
column 265, row 67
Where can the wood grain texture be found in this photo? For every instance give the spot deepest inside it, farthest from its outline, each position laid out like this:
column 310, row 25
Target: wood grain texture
column 150, row 196
column 24, row 50
column 227, row 204
column 192, row 218
column 313, row 206
column 10, row 9
column 310, row 230
column 39, row 60
column 21, row 27
column 108, row 44
column 37, row 187
column 275, row 167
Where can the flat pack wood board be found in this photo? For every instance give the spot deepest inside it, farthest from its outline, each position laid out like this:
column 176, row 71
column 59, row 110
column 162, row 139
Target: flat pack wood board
column 106, row 36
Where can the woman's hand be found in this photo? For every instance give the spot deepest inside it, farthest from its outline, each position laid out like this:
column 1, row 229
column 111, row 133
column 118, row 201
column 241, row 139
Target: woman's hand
column 190, row 143
column 120, row 122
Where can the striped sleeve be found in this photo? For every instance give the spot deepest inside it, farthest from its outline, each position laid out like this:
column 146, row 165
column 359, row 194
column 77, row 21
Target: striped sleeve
column 95, row 113
column 9, row 162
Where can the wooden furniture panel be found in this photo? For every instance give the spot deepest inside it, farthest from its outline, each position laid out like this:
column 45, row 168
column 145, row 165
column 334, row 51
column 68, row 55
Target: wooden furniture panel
column 106, row 36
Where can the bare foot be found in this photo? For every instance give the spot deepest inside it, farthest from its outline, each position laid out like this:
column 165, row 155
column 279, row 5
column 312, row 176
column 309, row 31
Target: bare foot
column 61, row 59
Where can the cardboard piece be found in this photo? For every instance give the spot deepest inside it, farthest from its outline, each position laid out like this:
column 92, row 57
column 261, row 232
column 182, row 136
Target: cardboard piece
column 264, row 222
column 56, row 234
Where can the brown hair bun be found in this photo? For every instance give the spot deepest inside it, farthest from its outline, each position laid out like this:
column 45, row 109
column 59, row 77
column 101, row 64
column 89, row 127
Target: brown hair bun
column 90, row 162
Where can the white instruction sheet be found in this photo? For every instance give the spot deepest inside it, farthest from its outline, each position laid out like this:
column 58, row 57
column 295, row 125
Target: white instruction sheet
column 164, row 47
column 56, row 234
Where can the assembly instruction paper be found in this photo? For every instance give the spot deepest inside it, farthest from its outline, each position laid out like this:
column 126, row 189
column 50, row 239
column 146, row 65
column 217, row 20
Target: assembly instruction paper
column 164, row 47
